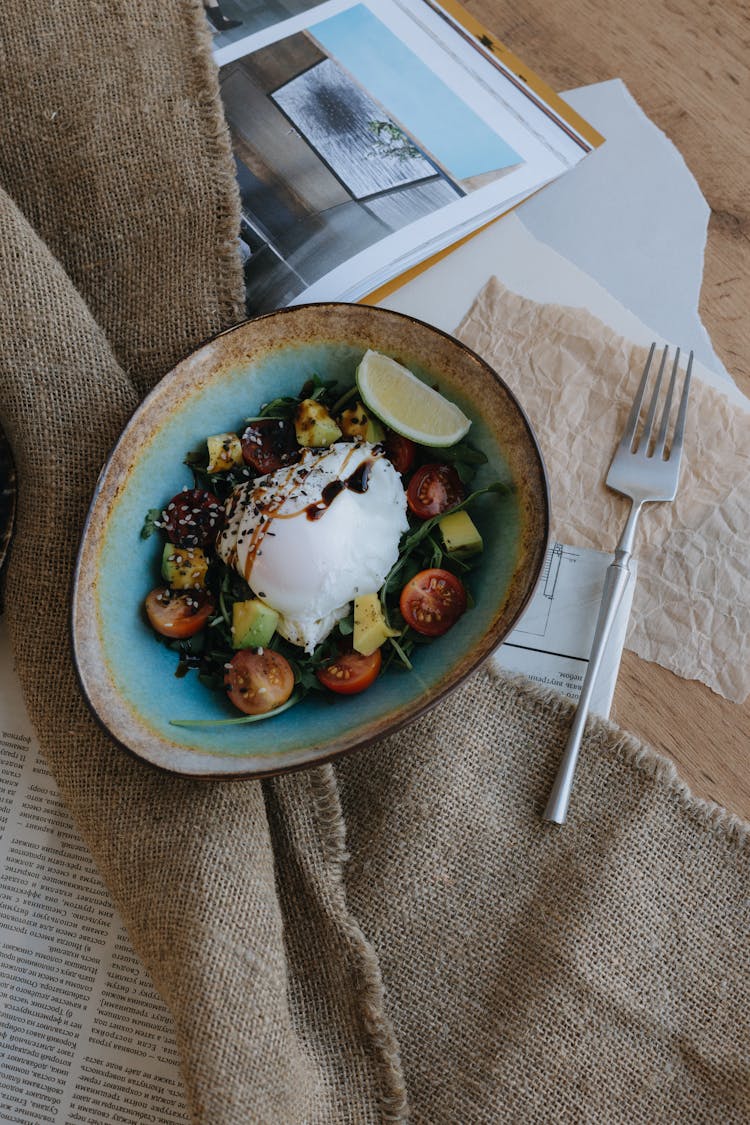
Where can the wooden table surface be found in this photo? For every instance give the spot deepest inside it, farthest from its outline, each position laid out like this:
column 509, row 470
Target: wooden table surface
column 687, row 63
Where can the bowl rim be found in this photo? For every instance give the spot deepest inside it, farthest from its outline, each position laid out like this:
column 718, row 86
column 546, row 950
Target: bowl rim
column 420, row 707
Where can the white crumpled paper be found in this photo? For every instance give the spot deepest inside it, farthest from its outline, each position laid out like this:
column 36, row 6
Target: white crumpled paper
column 576, row 378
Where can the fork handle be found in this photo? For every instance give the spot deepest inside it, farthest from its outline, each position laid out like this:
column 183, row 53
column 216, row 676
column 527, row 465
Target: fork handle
column 615, row 581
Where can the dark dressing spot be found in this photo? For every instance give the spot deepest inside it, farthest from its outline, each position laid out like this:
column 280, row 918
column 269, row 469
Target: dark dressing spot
column 355, row 482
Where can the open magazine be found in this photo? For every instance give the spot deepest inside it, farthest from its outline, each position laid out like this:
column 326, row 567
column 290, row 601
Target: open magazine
column 370, row 135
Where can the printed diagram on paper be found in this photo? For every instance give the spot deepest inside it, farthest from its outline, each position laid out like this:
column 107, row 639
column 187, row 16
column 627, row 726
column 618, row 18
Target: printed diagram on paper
column 552, row 641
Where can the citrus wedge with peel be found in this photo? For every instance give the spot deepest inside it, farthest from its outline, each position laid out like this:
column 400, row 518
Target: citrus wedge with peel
column 406, row 404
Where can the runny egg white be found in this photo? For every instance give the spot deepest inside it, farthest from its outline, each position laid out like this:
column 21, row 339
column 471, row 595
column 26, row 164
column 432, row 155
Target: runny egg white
column 312, row 536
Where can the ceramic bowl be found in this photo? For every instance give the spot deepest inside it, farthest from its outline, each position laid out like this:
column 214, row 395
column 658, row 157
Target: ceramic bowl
column 129, row 679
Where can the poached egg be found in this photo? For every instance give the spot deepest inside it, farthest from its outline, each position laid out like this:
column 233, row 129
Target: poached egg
column 311, row 537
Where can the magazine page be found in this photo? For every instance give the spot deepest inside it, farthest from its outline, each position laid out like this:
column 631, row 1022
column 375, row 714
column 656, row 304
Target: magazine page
column 84, row 1037
column 369, row 135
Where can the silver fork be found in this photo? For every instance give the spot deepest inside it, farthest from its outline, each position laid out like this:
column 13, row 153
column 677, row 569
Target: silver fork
column 645, row 470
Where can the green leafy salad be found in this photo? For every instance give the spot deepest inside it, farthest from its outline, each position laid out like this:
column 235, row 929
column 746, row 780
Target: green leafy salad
column 320, row 543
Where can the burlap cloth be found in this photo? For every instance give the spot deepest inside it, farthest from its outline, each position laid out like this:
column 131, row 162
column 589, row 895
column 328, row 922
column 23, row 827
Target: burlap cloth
column 598, row 973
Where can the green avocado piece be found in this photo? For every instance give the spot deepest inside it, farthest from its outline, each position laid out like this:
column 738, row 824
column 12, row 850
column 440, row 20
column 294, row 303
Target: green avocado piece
column 253, row 624
column 314, row 426
column 370, row 627
column 184, row 568
column 460, row 535
column 358, row 423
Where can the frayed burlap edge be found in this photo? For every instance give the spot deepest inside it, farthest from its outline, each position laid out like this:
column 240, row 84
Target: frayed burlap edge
column 602, row 736
column 378, row 1027
column 230, row 284
column 723, row 825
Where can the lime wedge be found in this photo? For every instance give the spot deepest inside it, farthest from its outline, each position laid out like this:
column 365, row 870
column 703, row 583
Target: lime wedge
column 408, row 405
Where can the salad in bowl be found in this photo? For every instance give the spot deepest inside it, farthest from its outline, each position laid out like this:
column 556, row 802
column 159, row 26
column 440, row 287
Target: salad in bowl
column 311, row 529
column 319, row 542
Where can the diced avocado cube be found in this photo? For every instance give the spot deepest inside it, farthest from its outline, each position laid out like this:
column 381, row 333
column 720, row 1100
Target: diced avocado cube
column 357, row 423
column 253, row 624
column 370, row 628
column 460, row 536
column 314, row 426
column 224, row 452
column 184, row 568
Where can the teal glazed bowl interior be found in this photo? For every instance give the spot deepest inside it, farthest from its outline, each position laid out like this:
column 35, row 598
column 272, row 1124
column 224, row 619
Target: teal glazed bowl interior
column 129, row 679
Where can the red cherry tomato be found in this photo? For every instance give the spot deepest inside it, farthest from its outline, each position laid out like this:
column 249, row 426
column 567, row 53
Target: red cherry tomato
column 350, row 672
column 178, row 615
column 193, row 518
column 259, row 681
column 434, row 489
column 268, row 444
column 432, row 602
column 400, row 451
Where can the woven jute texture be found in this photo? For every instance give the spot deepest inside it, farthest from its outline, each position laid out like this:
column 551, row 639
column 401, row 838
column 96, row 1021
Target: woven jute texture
column 398, row 930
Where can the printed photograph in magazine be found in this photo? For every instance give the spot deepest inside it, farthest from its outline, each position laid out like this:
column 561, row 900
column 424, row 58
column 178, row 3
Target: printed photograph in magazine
column 363, row 142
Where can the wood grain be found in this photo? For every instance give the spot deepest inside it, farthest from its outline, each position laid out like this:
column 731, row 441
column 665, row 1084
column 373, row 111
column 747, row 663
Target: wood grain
column 687, row 63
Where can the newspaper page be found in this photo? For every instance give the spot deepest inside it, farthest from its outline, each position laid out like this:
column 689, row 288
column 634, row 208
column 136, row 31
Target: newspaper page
column 369, row 135
column 84, row 1037
column 552, row 641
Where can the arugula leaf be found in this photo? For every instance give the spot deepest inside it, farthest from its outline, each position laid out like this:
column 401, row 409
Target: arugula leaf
column 285, row 405
column 151, row 523
column 412, row 539
column 319, row 389
column 465, row 458
column 293, row 698
column 197, row 462
column 346, row 625
column 463, row 451
column 282, row 407
column 398, row 649
column 342, row 400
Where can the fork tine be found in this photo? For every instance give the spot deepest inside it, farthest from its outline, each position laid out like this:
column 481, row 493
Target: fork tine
column 649, row 423
column 661, row 440
column 626, row 442
column 679, row 429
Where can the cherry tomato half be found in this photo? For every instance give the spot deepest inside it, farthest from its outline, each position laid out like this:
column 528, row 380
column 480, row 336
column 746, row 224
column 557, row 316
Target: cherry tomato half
column 268, row 444
column 400, row 451
column 432, row 602
column 258, row 681
column 434, row 489
column 350, row 672
column 178, row 615
column 193, row 518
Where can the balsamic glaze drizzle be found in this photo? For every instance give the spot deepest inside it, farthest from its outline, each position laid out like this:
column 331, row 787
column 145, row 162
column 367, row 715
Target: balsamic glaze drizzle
column 355, row 482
